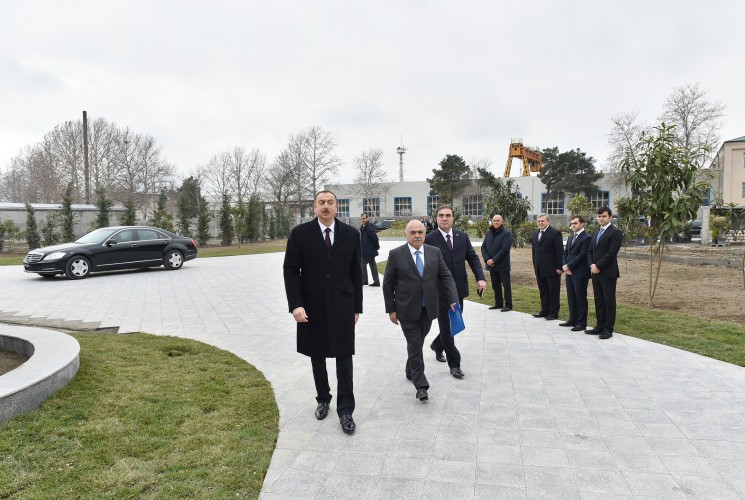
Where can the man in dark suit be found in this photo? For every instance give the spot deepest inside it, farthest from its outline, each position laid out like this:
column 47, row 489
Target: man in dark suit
column 496, row 252
column 603, row 261
column 369, row 244
column 323, row 283
column 414, row 277
column 548, row 248
column 456, row 249
column 578, row 274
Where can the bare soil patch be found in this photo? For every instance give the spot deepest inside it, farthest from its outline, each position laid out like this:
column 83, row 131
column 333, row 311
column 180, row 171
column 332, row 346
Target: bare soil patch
column 10, row 361
column 705, row 290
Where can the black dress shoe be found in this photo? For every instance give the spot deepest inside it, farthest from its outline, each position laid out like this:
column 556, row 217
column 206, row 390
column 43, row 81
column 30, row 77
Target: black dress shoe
column 375, row 284
column 421, row 394
column 495, row 307
column 594, row 331
column 578, row 328
column 551, row 317
column 566, row 324
column 322, row 410
column 540, row 315
column 457, row 372
column 347, row 424
column 439, row 356
column 506, row 309
column 605, row 335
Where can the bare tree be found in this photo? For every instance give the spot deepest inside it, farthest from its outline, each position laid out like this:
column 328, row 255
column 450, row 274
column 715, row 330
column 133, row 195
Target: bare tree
column 697, row 120
column 623, row 139
column 154, row 172
column 294, row 156
column 319, row 158
column 217, row 173
column 371, row 178
column 278, row 179
column 247, row 169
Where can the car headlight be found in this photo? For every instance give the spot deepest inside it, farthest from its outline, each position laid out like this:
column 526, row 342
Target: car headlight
column 54, row 256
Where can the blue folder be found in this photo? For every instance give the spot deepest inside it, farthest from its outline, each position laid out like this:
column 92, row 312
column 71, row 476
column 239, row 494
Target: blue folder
column 456, row 321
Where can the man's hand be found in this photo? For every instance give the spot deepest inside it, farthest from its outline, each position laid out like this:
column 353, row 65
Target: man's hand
column 565, row 268
column 299, row 314
column 490, row 262
column 559, row 272
column 482, row 286
column 569, row 272
column 594, row 269
column 394, row 318
column 452, row 307
column 356, row 317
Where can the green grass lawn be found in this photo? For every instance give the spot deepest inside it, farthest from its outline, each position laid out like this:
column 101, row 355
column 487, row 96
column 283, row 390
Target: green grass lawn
column 146, row 416
column 715, row 339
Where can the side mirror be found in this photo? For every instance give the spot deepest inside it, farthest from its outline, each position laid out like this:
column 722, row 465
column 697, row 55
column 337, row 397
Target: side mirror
column 111, row 242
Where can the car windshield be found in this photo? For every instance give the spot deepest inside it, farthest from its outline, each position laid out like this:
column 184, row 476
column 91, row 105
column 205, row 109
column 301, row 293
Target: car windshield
column 97, row 236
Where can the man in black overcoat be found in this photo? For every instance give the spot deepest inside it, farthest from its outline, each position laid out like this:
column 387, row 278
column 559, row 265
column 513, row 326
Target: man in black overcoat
column 548, row 249
column 370, row 245
column 323, row 283
column 603, row 259
column 496, row 252
column 456, row 249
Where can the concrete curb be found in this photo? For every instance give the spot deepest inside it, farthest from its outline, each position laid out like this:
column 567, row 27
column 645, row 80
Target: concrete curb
column 54, row 359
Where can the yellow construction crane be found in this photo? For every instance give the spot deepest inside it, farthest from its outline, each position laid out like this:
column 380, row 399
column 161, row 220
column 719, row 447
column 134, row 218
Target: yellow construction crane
column 530, row 157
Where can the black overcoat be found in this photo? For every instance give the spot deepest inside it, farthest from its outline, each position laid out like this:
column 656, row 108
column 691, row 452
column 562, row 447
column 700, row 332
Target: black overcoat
column 548, row 252
column 328, row 284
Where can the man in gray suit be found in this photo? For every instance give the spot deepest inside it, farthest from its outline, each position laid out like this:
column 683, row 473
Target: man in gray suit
column 413, row 277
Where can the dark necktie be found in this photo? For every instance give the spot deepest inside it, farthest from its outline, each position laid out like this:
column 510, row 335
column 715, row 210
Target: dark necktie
column 539, row 235
column 328, row 237
column 450, row 242
column 571, row 240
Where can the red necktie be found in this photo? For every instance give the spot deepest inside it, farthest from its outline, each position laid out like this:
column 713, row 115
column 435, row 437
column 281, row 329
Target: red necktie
column 328, row 237
column 450, row 242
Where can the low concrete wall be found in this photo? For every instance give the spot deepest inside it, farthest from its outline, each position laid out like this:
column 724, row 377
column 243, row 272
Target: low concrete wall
column 54, row 360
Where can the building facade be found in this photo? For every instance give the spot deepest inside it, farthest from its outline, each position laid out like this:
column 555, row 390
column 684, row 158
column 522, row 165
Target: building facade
column 728, row 168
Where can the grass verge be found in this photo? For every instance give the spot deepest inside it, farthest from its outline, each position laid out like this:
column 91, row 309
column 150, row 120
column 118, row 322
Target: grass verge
column 146, row 416
column 715, row 339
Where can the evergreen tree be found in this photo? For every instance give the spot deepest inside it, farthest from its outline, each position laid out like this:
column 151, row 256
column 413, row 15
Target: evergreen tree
column 163, row 218
column 568, row 172
column 68, row 216
column 104, row 208
column 504, row 198
column 130, row 213
column 226, row 222
column 184, row 213
column 49, row 230
column 255, row 218
column 450, row 180
column 203, row 222
column 32, row 233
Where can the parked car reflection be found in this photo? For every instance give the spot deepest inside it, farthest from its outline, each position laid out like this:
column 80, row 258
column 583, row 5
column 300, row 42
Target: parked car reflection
column 111, row 248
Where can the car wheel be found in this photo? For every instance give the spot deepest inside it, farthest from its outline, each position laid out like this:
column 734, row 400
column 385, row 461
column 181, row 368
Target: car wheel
column 174, row 260
column 78, row 267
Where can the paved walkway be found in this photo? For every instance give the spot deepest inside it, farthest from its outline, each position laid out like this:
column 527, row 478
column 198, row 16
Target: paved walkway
column 542, row 412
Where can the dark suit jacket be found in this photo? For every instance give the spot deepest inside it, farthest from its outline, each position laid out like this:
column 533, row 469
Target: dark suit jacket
column 497, row 246
column 456, row 260
column 403, row 287
column 369, row 242
column 328, row 284
column 548, row 252
column 604, row 253
column 575, row 255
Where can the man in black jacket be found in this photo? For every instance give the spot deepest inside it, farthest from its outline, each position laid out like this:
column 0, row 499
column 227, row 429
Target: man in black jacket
column 323, row 284
column 578, row 274
column 369, row 246
column 603, row 260
column 496, row 252
column 456, row 250
column 548, row 248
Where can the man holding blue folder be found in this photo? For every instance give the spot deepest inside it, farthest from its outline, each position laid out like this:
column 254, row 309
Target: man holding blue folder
column 414, row 276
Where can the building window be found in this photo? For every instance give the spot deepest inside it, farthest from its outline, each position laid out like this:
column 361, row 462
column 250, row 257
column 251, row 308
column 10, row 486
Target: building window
column 743, row 189
column 599, row 199
column 472, row 205
column 555, row 205
column 371, row 207
column 707, row 196
column 433, row 203
column 402, row 206
column 343, row 208
column 743, row 159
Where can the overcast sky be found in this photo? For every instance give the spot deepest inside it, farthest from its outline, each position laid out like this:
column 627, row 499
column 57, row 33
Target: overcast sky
column 451, row 77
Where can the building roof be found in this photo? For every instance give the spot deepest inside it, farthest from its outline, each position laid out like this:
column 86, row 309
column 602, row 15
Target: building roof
column 739, row 139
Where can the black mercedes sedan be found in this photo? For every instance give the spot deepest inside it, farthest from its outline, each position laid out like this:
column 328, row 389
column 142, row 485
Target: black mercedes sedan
column 112, row 248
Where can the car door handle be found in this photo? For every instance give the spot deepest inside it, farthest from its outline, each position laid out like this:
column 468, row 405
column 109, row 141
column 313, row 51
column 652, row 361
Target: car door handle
column 133, row 245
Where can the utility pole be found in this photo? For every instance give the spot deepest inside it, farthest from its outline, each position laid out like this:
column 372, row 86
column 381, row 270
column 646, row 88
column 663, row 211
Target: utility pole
column 400, row 152
column 85, row 159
